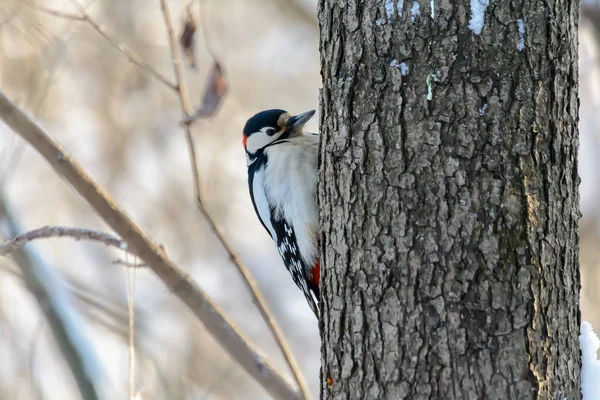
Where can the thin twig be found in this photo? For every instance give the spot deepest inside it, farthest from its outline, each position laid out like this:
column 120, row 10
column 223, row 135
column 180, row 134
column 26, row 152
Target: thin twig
column 207, row 41
column 134, row 58
column 219, row 326
column 60, row 231
column 129, row 264
column 257, row 296
column 176, row 60
column 55, row 13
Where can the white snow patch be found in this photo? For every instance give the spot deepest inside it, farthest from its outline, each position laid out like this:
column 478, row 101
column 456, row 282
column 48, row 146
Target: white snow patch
column 483, row 109
column 389, row 9
column 400, row 6
column 434, row 77
column 432, row 9
column 415, row 11
column 478, row 8
column 403, row 67
column 379, row 22
column 590, row 365
column 521, row 42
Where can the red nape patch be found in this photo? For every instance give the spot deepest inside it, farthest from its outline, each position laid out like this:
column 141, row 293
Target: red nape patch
column 316, row 272
column 244, row 138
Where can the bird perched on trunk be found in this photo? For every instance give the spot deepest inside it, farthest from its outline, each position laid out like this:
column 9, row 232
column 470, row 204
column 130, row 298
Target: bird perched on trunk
column 282, row 177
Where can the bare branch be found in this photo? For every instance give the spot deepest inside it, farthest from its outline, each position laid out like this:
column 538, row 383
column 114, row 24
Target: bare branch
column 60, row 231
column 134, row 58
column 220, row 327
column 207, row 40
column 257, row 296
column 175, row 59
column 55, row 13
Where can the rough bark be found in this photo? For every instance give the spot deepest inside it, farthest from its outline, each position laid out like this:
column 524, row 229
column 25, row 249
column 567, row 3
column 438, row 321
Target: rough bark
column 449, row 200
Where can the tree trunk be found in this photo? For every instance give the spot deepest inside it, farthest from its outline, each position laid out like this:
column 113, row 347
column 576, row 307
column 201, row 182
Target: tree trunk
column 448, row 199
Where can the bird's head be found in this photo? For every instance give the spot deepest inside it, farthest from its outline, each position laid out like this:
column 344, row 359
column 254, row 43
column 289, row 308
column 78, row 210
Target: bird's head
column 268, row 126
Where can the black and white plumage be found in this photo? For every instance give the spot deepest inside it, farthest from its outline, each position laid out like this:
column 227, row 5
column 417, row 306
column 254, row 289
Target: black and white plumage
column 282, row 178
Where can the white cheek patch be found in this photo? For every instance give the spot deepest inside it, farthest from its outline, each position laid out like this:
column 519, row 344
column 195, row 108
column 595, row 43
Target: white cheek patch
column 258, row 140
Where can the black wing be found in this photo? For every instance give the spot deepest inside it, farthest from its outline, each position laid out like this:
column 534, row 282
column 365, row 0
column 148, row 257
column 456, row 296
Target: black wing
column 290, row 254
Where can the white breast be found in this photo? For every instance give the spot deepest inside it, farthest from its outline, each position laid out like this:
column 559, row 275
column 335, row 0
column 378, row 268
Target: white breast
column 291, row 182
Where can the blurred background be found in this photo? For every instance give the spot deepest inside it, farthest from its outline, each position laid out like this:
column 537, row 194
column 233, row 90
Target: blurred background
column 121, row 124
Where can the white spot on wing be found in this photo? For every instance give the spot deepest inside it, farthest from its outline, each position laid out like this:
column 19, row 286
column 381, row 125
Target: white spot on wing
column 281, row 249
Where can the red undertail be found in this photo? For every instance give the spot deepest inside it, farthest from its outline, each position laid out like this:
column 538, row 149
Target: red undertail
column 316, row 272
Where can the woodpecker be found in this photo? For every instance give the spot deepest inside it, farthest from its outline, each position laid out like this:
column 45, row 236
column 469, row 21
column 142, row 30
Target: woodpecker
column 282, row 178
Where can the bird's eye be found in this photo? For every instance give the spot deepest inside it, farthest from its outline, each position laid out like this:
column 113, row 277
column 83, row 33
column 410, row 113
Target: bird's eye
column 270, row 131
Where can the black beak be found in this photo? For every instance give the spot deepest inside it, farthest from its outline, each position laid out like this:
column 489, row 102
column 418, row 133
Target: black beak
column 298, row 121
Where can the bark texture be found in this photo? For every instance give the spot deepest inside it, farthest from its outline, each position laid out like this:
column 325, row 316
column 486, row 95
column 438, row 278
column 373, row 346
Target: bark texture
column 449, row 200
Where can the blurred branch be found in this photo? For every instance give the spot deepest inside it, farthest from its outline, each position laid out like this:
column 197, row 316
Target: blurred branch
column 180, row 87
column 60, row 231
column 303, row 13
column 257, row 296
column 134, row 58
column 221, row 328
column 33, row 347
column 55, row 13
column 99, row 310
column 63, row 319
column 207, row 40
column 591, row 12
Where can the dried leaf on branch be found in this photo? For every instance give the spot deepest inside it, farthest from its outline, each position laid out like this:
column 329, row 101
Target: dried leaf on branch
column 187, row 38
column 215, row 90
